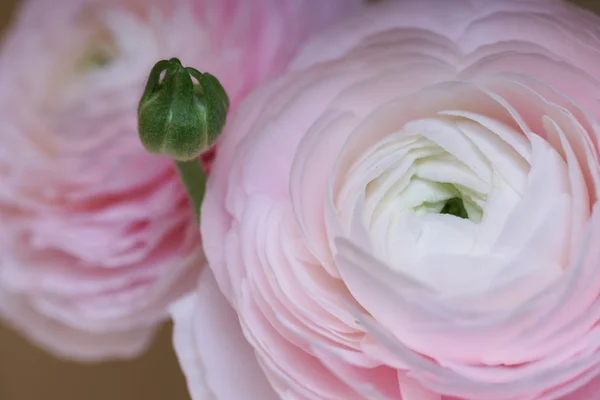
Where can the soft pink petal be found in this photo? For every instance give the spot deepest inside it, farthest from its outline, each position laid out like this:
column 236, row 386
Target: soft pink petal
column 216, row 358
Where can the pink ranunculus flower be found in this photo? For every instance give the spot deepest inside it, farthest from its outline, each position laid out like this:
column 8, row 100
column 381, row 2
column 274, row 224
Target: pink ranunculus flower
column 410, row 213
column 97, row 236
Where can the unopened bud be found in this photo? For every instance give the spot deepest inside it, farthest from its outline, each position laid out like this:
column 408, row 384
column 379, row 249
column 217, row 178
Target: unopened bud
column 182, row 111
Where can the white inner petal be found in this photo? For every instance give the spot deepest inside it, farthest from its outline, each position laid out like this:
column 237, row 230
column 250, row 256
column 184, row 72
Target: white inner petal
column 451, row 200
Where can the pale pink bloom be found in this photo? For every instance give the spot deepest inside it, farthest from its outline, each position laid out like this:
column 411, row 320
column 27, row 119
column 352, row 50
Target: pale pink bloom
column 97, row 236
column 323, row 224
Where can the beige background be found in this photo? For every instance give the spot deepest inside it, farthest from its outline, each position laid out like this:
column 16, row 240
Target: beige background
column 27, row 373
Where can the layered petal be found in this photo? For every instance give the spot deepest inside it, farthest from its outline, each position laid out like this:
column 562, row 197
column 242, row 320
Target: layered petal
column 211, row 347
column 411, row 211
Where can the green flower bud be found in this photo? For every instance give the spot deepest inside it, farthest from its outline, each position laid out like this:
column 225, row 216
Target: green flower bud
column 182, row 111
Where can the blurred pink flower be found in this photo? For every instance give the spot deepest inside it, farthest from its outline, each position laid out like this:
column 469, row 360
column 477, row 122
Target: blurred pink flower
column 97, row 236
column 328, row 221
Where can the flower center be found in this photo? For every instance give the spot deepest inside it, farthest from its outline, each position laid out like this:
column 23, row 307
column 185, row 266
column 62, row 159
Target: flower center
column 98, row 56
column 442, row 185
column 455, row 206
column 446, row 198
column 458, row 199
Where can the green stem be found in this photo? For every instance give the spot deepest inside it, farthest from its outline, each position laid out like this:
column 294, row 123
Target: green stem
column 193, row 177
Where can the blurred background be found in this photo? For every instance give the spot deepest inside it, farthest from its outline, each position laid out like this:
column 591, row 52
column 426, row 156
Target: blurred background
column 27, row 373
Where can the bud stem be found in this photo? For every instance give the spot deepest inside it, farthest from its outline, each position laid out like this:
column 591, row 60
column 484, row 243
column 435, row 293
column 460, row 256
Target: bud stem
column 181, row 114
column 194, row 179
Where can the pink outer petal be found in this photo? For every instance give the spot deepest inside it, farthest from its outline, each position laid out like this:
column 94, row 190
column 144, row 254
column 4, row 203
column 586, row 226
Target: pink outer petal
column 588, row 392
column 68, row 343
column 413, row 390
column 216, row 358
